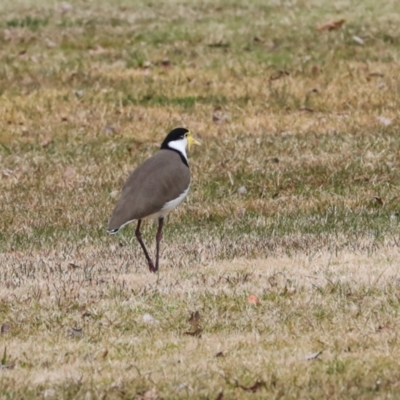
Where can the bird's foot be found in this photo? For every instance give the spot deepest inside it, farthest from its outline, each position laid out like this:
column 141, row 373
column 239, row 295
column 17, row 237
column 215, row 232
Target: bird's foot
column 152, row 268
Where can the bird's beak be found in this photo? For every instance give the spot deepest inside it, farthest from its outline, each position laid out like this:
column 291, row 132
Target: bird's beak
column 191, row 140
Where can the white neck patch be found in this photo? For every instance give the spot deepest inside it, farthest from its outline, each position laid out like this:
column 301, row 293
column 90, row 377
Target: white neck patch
column 179, row 145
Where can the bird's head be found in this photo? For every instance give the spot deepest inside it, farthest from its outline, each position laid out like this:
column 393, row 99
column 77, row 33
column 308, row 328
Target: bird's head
column 179, row 138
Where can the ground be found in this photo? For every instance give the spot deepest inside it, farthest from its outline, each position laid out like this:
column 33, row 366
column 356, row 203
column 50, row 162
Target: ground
column 280, row 272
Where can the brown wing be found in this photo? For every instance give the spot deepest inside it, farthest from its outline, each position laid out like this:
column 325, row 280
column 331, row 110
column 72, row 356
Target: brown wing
column 161, row 178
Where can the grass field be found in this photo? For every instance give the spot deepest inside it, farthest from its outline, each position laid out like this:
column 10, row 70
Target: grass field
column 303, row 117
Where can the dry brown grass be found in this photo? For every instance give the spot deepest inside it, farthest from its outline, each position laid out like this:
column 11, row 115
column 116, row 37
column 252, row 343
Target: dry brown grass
column 345, row 306
column 306, row 121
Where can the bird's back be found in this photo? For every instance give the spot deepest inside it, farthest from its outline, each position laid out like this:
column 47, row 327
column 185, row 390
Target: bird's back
column 160, row 179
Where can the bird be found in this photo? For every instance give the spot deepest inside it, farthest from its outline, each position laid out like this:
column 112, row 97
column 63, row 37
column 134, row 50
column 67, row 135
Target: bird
column 155, row 188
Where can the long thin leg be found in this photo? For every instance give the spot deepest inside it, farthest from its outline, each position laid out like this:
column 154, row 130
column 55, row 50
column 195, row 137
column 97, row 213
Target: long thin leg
column 139, row 238
column 158, row 240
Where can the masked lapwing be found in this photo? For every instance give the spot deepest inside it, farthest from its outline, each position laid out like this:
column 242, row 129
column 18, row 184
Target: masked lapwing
column 155, row 188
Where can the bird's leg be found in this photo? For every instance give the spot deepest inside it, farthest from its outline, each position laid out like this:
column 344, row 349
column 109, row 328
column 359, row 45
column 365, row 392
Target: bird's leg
column 139, row 238
column 158, row 240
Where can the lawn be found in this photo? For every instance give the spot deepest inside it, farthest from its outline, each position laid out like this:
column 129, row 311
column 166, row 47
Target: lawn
column 295, row 199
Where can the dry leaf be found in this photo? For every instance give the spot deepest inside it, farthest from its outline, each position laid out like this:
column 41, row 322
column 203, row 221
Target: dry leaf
column 194, row 319
column 166, row 62
column 331, row 25
column 5, row 328
column 219, row 117
column 253, row 388
column 379, row 200
column 75, row 332
column 385, row 327
column 253, row 300
column 312, row 356
column 7, row 172
column 86, row 314
column 46, row 142
column 197, row 332
column 216, row 118
column 279, row 74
